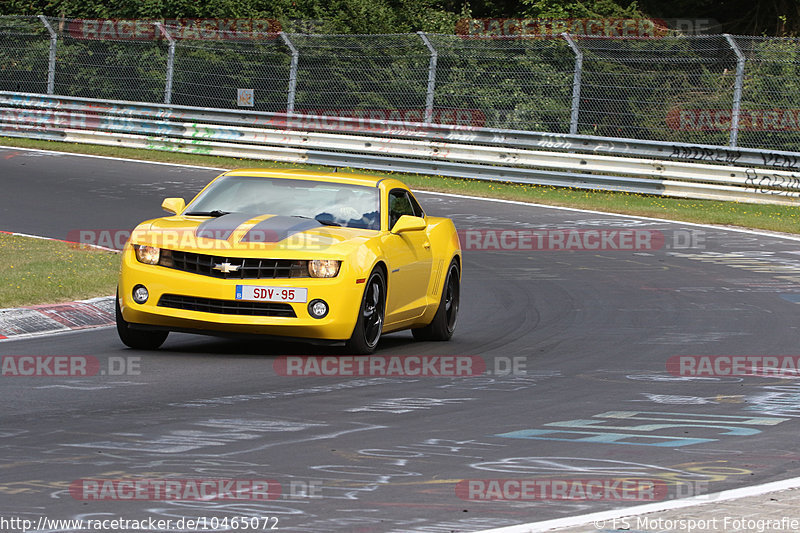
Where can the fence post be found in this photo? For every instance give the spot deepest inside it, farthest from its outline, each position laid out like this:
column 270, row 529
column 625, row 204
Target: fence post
column 170, row 63
column 292, row 73
column 737, row 90
column 51, row 64
column 431, row 77
column 576, row 84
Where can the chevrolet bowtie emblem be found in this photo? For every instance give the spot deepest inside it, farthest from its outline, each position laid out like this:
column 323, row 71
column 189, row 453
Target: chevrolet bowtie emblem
column 226, row 267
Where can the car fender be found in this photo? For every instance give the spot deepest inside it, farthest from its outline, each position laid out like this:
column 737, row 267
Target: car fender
column 360, row 263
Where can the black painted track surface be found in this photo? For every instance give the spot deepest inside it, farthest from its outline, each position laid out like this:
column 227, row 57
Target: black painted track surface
column 592, row 329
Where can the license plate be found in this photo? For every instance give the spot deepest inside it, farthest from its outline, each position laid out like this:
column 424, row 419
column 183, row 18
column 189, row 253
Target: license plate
column 271, row 294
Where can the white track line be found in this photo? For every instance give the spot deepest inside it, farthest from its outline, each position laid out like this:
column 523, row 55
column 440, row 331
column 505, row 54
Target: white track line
column 92, row 156
column 622, row 215
column 43, row 334
column 95, row 246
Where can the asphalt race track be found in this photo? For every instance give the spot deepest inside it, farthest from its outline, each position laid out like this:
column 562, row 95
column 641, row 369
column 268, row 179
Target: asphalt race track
column 577, row 386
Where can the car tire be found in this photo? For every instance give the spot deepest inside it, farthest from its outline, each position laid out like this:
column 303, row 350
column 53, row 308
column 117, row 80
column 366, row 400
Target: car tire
column 443, row 324
column 138, row 339
column 369, row 325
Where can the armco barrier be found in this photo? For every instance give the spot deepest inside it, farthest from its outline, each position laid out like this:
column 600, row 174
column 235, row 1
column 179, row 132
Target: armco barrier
column 648, row 167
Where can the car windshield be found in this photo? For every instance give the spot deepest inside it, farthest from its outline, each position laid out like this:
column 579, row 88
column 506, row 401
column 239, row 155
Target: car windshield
column 336, row 204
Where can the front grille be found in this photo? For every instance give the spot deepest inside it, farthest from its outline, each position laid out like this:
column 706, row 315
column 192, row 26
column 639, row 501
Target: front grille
column 226, row 307
column 248, row 268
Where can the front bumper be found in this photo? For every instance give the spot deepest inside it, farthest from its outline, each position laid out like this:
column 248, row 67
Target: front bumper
column 342, row 294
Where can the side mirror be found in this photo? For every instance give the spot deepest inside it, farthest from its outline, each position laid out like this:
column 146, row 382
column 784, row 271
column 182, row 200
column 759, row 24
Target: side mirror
column 173, row 205
column 409, row 223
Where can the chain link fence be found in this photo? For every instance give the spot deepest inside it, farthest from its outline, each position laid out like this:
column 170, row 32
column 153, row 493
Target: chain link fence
column 718, row 89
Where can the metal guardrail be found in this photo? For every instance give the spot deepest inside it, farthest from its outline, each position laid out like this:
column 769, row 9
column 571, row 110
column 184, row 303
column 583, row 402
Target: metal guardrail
column 654, row 84
column 647, row 167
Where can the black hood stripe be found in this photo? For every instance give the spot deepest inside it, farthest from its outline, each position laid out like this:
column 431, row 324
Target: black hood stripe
column 221, row 227
column 278, row 228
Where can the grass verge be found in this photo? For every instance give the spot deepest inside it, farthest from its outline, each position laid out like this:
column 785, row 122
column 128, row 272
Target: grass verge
column 39, row 271
column 768, row 217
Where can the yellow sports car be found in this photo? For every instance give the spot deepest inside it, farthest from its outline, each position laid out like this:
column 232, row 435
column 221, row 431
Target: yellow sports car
column 324, row 256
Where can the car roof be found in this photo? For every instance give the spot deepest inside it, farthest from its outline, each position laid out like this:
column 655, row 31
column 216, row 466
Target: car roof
column 315, row 175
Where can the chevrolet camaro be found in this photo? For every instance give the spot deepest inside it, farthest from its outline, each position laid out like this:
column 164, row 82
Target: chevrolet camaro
column 321, row 256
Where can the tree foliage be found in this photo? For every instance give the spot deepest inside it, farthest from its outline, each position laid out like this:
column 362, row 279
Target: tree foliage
column 744, row 17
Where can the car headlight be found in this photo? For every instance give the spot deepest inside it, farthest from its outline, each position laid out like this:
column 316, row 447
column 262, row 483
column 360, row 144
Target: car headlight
column 323, row 268
column 147, row 254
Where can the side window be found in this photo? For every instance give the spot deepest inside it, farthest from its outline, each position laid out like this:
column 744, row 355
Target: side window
column 418, row 212
column 399, row 205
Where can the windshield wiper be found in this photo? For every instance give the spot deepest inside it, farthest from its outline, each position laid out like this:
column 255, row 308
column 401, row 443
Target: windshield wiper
column 323, row 221
column 214, row 213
